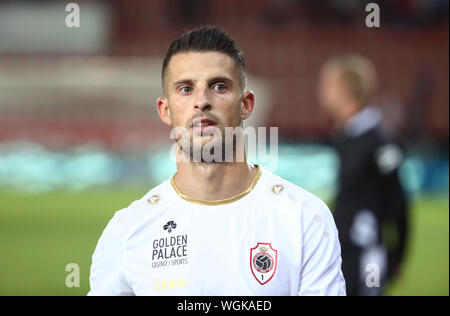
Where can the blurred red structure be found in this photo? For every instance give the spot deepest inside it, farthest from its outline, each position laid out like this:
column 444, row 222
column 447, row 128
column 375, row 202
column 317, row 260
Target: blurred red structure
column 288, row 55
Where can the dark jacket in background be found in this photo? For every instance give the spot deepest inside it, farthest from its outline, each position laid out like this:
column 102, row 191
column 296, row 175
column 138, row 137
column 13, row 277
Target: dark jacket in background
column 371, row 206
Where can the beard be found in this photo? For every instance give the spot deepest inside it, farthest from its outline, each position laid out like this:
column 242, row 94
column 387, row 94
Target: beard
column 217, row 145
column 208, row 148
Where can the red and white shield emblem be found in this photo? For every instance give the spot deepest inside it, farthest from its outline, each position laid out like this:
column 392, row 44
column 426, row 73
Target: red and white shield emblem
column 263, row 262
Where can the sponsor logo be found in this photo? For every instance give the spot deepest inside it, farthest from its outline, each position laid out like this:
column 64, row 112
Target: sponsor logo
column 170, row 284
column 170, row 251
column 169, row 226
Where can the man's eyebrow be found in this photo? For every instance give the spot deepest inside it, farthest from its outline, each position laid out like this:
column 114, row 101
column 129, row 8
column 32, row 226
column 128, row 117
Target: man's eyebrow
column 210, row 81
column 220, row 78
column 183, row 81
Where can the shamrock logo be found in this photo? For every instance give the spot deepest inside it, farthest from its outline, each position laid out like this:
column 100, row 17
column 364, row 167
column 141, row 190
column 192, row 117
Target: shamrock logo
column 169, row 226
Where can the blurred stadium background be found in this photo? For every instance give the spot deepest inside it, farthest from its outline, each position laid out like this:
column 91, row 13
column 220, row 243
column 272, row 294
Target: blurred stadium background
column 80, row 137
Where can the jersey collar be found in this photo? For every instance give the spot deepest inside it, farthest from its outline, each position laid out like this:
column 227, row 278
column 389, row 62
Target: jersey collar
column 218, row 202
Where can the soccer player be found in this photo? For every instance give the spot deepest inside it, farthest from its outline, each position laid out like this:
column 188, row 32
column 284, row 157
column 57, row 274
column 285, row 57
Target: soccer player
column 371, row 207
column 220, row 227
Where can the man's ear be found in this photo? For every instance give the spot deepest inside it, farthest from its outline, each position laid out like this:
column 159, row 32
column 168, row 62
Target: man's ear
column 247, row 104
column 164, row 111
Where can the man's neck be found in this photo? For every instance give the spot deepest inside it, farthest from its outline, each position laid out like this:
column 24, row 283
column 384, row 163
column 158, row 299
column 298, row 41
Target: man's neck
column 214, row 181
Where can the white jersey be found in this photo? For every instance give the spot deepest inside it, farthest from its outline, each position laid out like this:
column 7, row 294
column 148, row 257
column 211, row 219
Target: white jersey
column 273, row 239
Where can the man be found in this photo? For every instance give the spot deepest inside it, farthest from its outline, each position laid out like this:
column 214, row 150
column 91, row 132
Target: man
column 222, row 227
column 370, row 209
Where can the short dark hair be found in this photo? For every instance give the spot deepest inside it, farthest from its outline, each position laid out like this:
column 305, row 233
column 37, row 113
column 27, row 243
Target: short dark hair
column 206, row 39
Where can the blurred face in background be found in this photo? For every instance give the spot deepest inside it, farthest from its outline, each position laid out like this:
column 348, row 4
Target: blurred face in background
column 204, row 91
column 334, row 96
column 347, row 83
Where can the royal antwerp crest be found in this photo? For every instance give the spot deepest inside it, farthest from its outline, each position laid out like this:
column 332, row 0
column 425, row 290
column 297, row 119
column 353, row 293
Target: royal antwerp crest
column 263, row 262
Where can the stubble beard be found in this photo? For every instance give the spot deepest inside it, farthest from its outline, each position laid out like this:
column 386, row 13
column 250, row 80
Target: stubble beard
column 194, row 153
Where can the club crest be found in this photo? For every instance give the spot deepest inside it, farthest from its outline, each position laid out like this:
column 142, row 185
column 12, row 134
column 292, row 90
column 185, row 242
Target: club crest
column 263, row 262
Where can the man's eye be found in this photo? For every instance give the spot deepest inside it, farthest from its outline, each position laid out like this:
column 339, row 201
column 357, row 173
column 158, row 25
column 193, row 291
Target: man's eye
column 186, row 89
column 220, row 87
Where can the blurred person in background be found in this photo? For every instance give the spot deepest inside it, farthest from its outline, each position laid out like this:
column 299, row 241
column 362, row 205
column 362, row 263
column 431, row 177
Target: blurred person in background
column 371, row 206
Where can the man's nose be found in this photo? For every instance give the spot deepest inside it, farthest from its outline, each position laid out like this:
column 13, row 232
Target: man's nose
column 202, row 102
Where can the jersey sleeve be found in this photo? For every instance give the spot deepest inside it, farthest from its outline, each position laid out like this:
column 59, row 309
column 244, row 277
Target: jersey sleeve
column 107, row 277
column 321, row 273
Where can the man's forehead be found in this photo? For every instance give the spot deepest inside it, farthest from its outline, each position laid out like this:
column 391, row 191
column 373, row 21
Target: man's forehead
column 200, row 63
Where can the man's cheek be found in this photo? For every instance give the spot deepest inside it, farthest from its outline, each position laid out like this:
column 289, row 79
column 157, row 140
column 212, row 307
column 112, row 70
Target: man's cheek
column 176, row 120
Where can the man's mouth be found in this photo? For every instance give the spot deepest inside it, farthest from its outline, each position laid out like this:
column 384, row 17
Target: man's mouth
column 202, row 123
